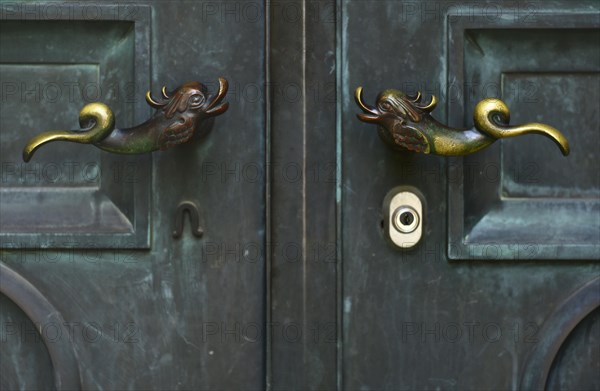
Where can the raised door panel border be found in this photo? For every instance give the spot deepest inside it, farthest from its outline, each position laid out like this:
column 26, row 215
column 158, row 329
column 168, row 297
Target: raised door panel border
column 72, row 195
column 512, row 201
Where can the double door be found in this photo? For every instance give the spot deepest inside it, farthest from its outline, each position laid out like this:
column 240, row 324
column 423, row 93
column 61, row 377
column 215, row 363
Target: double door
column 258, row 253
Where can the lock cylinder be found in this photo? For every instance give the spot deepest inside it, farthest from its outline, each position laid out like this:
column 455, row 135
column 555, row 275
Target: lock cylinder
column 403, row 216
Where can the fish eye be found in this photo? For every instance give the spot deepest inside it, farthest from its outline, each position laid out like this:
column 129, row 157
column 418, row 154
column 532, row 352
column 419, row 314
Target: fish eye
column 385, row 106
column 196, row 99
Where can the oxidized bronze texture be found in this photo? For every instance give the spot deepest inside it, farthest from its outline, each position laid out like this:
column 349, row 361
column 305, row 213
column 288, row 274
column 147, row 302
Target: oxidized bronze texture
column 407, row 125
column 177, row 118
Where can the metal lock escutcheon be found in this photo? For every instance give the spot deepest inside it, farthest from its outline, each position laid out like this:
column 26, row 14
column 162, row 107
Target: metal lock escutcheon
column 403, row 216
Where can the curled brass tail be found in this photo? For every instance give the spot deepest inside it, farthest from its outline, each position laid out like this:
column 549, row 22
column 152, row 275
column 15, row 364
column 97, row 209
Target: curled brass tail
column 99, row 114
column 485, row 123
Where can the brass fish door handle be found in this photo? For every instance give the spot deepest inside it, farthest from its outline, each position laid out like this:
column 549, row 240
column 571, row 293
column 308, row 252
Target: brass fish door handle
column 406, row 124
column 178, row 116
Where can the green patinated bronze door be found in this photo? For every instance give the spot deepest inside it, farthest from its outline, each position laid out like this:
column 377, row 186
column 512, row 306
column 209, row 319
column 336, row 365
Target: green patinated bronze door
column 501, row 291
column 97, row 291
column 280, row 243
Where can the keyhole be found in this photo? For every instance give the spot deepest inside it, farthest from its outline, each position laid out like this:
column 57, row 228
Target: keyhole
column 402, row 209
column 407, row 218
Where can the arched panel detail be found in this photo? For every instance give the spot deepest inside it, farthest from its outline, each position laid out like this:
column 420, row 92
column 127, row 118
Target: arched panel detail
column 555, row 331
column 35, row 305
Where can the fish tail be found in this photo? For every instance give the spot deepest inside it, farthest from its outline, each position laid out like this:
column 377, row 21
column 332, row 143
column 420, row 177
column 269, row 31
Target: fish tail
column 99, row 114
column 484, row 117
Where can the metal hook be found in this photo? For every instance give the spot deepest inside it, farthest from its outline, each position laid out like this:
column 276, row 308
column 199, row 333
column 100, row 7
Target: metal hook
column 192, row 211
